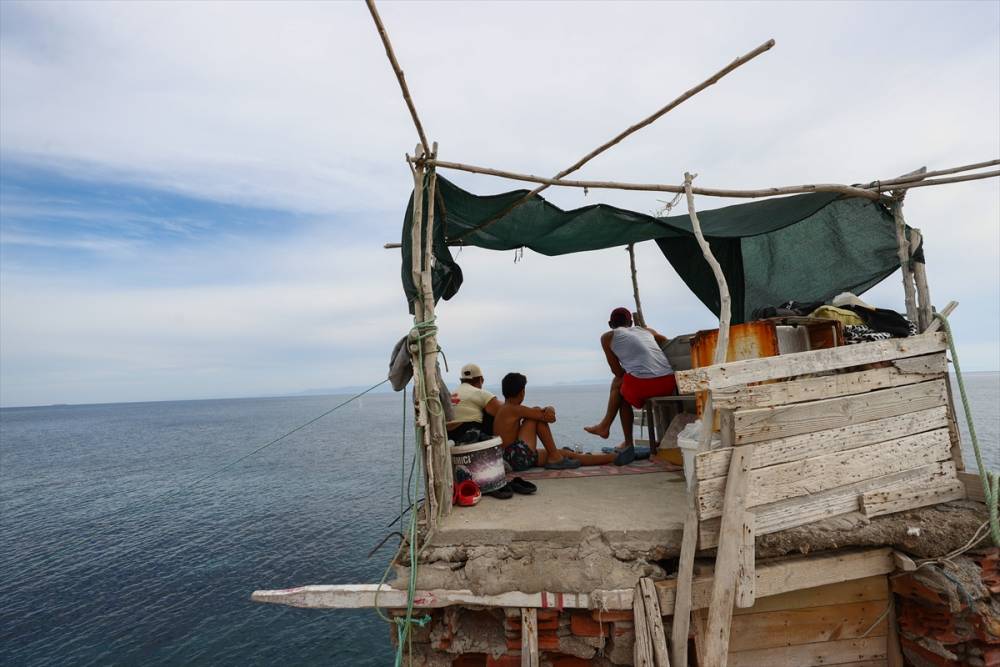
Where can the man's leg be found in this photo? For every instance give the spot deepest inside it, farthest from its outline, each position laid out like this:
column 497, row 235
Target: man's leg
column 602, row 428
column 528, row 434
column 627, row 417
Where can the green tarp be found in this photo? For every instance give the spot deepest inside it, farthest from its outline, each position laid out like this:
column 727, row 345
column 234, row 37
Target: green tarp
column 804, row 248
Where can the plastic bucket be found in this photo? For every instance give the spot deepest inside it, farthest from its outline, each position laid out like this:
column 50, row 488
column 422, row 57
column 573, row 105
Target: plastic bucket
column 482, row 462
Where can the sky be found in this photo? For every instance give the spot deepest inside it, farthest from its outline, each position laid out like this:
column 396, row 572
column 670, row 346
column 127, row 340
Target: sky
column 194, row 196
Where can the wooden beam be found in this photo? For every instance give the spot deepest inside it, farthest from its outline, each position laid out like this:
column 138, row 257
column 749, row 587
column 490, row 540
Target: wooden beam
column 925, row 308
column 877, row 503
column 391, row 55
column 848, row 190
column 715, row 463
column 742, row 60
column 680, row 625
column 727, row 558
column 821, row 473
column 903, row 252
column 900, row 372
column 758, row 424
column 642, row 649
column 803, row 363
column 842, row 592
column 529, row 637
column 773, row 578
column 838, row 501
column 946, row 311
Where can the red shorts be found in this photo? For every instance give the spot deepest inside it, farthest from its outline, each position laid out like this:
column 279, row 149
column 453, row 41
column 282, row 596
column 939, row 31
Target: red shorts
column 637, row 390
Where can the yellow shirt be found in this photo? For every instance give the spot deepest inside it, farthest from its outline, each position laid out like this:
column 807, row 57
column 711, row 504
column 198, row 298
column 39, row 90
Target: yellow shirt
column 833, row 313
column 469, row 402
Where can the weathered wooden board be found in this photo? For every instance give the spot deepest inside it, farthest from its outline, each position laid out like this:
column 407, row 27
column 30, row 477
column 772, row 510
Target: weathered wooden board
column 877, row 503
column 803, row 363
column 654, row 621
column 715, row 463
column 868, row 589
column 529, row 637
column 850, row 651
column 900, row 372
column 772, row 629
column 820, row 473
column 799, row 511
column 757, row 424
column 642, row 649
column 746, row 575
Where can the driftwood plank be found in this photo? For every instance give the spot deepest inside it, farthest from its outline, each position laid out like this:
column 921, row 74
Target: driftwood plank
column 727, row 558
column 877, row 503
column 803, row 363
column 820, row 473
column 973, row 486
column 715, row 463
column 900, row 372
column 840, row 652
column 801, row 510
column 529, row 637
column 757, row 424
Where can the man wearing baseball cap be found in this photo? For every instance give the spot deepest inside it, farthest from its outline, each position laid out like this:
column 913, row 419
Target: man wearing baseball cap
column 474, row 406
column 641, row 371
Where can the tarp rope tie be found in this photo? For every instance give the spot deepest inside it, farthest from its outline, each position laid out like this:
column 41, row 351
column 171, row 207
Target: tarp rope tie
column 990, row 480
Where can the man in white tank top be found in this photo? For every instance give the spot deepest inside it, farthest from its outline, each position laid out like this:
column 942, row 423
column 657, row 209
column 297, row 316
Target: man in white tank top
column 641, row 371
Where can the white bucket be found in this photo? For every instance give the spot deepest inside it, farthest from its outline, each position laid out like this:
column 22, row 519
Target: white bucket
column 482, row 461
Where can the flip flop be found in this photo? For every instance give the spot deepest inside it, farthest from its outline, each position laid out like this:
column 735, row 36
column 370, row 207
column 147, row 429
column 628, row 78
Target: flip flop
column 565, row 463
column 625, row 456
column 503, row 493
column 640, row 452
column 518, row 485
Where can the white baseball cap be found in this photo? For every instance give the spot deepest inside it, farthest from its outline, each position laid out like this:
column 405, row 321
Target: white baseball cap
column 471, row 372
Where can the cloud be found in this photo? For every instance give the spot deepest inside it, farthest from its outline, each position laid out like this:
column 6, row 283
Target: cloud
column 195, row 194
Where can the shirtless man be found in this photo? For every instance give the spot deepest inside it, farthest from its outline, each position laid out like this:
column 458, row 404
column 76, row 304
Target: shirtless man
column 641, row 371
column 521, row 427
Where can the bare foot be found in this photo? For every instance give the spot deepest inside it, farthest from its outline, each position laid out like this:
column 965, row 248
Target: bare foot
column 622, row 445
column 598, row 430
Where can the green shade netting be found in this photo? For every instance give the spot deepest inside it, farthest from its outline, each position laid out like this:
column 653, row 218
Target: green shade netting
column 804, row 248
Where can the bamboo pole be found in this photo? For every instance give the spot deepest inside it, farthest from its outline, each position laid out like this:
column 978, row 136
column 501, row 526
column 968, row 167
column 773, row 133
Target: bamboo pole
column 640, row 318
column 742, row 60
column 399, row 74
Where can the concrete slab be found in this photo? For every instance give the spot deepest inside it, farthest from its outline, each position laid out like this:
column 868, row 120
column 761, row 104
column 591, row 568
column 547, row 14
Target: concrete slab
column 632, row 510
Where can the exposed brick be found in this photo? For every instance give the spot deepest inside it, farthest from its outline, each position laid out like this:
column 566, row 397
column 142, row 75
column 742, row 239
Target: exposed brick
column 548, row 643
column 583, row 625
column 508, row 660
column 610, row 616
column 547, row 614
column 470, row 660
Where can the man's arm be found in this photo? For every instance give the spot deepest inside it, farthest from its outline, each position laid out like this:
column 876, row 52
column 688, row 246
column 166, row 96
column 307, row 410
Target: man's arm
column 613, row 362
column 538, row 414
column 492, row 407
column 657, row 336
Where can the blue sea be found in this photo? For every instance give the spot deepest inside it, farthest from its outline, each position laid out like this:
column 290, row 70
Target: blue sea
column 110, row 555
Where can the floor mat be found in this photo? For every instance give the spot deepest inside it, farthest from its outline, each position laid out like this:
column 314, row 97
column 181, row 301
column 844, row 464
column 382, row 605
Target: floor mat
column 634, row 468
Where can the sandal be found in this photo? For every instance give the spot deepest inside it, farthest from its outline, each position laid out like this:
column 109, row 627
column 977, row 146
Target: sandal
column 518, row 485
column 503, row 493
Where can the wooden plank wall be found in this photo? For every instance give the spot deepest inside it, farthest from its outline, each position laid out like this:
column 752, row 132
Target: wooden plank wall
column 864, row 428
column 837, row 624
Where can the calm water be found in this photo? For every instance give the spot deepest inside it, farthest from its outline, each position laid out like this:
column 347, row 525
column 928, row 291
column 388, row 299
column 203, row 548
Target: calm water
column 97, row 568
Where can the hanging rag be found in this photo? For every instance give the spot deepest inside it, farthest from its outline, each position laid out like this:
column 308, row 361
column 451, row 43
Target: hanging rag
column 401, row 372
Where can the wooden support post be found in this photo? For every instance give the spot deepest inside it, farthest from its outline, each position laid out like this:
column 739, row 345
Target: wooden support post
column 727, row 559
column 903, row 249
column 894, row 653
column 654, row 621
column 529, row 637
column 439, row 465
column 680, row 624
column 925, row 311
